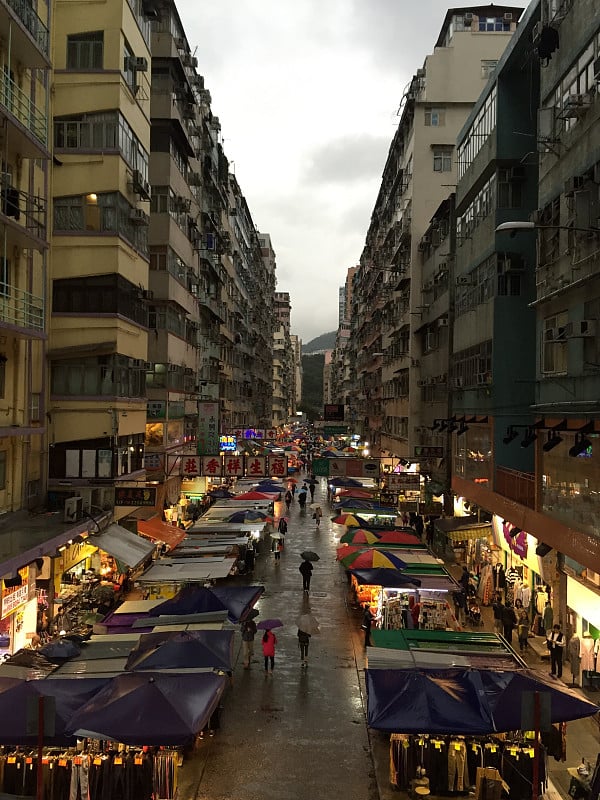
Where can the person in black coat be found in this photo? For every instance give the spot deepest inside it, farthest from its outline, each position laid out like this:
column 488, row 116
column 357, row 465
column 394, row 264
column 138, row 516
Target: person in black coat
column 366, row 625
column 306, row 569
column 509, row 620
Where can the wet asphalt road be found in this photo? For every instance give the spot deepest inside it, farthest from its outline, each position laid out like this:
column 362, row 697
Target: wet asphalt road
column 300, row 733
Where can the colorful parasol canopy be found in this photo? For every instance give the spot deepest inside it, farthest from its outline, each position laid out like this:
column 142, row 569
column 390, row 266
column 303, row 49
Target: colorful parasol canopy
column 256, row 496
column 347, row 519
column 368, row 559
column 365, row 536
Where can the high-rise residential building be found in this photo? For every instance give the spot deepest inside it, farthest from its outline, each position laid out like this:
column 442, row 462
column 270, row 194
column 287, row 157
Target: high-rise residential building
column 283, row 308
column 296, row 347
column 283, row 362
column 388, row 336
column 98, row 341
column 340, row 371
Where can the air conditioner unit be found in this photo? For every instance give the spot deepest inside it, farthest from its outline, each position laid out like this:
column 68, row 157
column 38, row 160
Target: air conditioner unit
column 581, row 329
column 140, row 185
column 73, row 509
column 138, row 217
column 468, row 17
column 138, row 63
column 458, row 382
column 547, row 124
column 508, row 16
column 536, row 216
column 189, row 111
column 482, row 379
column 536, row 33
column 195, row 179
column 574, row 184
column 442, row 322
column 420, row 73
column 173, row 368
column 180, row 43
column 430, row 341
column 464, row 280
column 147, row 294
column 183, row 203
column 148, row 366
column 443, row 378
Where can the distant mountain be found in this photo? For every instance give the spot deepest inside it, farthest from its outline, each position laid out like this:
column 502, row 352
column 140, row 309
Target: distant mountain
column 326, row 341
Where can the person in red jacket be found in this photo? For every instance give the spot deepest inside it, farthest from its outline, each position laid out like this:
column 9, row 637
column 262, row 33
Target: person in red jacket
column 269, row 640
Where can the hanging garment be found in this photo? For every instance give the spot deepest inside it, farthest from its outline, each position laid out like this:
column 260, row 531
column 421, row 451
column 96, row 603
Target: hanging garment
column 588, row 660
column 541, row 599
column 499, row 577
column 79, row 788
column 457, row 765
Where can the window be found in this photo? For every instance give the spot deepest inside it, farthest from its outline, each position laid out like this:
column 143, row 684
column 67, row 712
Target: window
column 85, row 50
column 435, row 117
column 554, row 344
column 442, row 159
column 477, row 135
column 101, row 376
column 3, row 457
column 488, row 67
column 509, row 190
column 35, row 401
column 128, row 69
column 494, row 24
column 4, row 277
column 103, row 294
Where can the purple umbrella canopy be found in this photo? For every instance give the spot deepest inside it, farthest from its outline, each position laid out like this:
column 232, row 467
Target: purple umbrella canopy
column 150, row 708
column 182, row 650
column 17, row 695
column 462, row 701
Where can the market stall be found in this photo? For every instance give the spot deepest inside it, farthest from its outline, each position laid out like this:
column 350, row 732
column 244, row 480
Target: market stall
column 453, row 706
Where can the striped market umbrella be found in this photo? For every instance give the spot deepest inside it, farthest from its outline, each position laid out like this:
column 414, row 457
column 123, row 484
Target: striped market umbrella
column 368, row 559
column 347, row 519
column 366, row 536
column 359, row 536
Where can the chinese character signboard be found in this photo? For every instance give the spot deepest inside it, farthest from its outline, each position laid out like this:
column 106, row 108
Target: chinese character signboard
column 334, row 430
column 277, row 466
column 208, row 428
column 152, row 462
column 362, row 467
column 156, row 409
column 271, row 433
column 403, row 481
column 333, row 412
column 135, row 496
column 256, row 466
column 233, row 466
column 212, row 466
column 13, row 597
column 190, row 466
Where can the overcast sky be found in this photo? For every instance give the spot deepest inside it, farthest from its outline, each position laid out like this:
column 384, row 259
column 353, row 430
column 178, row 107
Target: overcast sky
column 307, row 92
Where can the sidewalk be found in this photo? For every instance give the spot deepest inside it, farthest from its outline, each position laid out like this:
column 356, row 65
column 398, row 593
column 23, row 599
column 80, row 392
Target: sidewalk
column 302, row 733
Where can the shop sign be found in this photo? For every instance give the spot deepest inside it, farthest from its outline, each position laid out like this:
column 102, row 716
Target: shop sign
column 176, row 409
column 278, row 466
column 428, row 451
column 233, row 467
column 208, row 428
column 320, row 467
column 256, row 467
column 271, row 433
column 248, row 433
column 152, row 462
column 333, row 412
column 13, row 597
column 75, row 554
column 517, row 543
column 156, row 409
column 403, row 481
column 362, row 467
column 211, row 466
column 190, row 466
column 135, row 496
column 228, row 442
column 334, row 430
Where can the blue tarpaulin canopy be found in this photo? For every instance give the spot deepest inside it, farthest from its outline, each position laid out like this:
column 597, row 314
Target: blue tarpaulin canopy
column 182, row 650
column 462, row 701
column 17, row 696
column 237, row 600
column 383, row 576
column 150, row 708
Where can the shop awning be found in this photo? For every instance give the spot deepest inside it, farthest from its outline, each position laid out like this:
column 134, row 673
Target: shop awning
column 126, row 547
column 160, row 531
column 459, row 529
column 189, row 570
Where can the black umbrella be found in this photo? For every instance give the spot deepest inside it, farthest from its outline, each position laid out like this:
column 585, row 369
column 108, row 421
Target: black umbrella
column 310, row 555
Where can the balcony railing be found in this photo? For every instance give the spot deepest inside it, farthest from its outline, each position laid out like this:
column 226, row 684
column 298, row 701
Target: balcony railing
column 21, row 106
column 21, row 308
column 28, row 16
column 15, row 203
column 517, row 486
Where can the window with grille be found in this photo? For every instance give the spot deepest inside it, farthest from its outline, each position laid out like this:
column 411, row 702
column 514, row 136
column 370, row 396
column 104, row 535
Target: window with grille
column 554, row 344
column 85, row 50
column 442, row 159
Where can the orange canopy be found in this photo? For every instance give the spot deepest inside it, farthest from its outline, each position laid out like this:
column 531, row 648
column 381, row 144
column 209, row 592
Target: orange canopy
column 161, row 531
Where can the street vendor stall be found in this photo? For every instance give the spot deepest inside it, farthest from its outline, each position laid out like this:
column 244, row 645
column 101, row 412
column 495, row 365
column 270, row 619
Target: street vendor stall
column 456, row 707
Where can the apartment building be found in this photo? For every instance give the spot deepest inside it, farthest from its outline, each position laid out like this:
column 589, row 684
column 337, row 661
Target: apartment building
column 388, row 335
column 283, row 361
column 340, row 377
column 98, row 341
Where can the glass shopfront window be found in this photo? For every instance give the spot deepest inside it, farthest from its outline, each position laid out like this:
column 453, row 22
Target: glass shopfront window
column 571, row 484
column 473, row 454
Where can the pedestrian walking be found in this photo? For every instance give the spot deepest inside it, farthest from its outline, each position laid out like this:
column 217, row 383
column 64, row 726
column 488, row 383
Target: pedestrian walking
column 303, row 642
column 269, row 640
column 522, row 625
column 509, row 620
column 306, row 569
column 366, row 625
column 248, row 627
column 282, row 527
column 317, row 514
column 302, row 497
column 556, row 645
column 548, row 617
column 288, row 499
column 497, row 608
column 277, row 548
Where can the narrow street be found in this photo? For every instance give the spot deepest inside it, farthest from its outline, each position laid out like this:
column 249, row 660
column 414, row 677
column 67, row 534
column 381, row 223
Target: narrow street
column 300, row 733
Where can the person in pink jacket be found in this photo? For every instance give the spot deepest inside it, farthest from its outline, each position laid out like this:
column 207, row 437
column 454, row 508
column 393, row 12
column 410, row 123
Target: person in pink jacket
column 269, row 640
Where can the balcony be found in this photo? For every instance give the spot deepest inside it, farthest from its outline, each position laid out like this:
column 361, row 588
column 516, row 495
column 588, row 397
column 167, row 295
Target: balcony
column 27, row 16
column 517, row 486
column 28, row 117
column 21, row 310
column 24, row 216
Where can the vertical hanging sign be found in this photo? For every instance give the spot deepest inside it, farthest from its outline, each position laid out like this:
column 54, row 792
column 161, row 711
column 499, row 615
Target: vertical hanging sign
column 208, row 428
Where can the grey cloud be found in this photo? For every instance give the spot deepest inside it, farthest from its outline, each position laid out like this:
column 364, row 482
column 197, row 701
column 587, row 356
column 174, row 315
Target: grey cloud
column 347, row 160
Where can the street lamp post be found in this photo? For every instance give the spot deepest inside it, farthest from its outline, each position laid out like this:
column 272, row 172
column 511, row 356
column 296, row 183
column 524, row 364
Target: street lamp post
column 518, row 226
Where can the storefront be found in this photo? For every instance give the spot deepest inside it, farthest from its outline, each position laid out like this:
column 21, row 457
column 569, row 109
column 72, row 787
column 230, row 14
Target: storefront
column 464, row 540
column 18, row 615
column 583, row 628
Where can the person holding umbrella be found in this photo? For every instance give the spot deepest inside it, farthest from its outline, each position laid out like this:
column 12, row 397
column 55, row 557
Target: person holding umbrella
column 307, row 625
column 305, row 570
column 269, row 640
column 317, row 514
column 248, row 627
